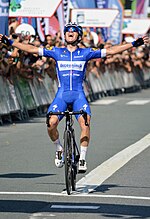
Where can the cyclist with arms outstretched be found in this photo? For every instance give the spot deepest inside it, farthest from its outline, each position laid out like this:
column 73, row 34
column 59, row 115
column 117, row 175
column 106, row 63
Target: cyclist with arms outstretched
column 71, row 65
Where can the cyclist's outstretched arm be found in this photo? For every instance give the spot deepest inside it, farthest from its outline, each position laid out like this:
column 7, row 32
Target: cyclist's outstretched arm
column 24, row 47
column 122, row 47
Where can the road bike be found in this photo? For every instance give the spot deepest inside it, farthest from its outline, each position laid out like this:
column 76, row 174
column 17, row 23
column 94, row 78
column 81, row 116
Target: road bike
column 71, row 150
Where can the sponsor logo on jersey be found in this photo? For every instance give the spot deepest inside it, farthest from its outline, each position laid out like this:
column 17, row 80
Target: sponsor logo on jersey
column 78, row 75
column 63, row 56
column 54, row 106
column 64, row 75
column 85, row 106
column 51, row 47
column 68, row 65
column 94, row 49
column 78, row 56
column 74, row 74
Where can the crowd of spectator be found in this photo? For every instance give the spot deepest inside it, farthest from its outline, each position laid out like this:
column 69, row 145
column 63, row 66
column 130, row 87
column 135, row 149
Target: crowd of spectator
column 15, row 63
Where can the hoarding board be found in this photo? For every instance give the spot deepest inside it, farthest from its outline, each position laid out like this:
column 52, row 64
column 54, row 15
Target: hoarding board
column 94, row 17
column 135, row 26
column 33, row 8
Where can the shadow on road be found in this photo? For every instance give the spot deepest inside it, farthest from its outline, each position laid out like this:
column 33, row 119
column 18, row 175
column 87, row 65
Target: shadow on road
column 107, row 187
column 24, row 175
column 105, row 210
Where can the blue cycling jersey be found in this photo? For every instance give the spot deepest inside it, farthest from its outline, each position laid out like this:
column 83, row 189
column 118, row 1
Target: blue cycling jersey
column 71, row 67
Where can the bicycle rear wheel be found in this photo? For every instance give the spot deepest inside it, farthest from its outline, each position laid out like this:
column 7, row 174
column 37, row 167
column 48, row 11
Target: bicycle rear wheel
column 74, row 169
column 68, row 161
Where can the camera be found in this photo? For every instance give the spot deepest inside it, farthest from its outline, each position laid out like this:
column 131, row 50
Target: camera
column 14, row 36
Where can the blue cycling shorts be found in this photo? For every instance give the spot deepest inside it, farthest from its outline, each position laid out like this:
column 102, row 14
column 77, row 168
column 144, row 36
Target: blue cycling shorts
column 65, row 98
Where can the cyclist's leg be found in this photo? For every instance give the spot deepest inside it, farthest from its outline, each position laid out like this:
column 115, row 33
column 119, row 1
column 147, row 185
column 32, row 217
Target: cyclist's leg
column 57, row 105
column 85, row 131
column 52, row 129
column 81, row 103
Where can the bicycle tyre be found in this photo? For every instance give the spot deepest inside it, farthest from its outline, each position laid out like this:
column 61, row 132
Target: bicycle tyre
column 68, row 161
column 74, row 169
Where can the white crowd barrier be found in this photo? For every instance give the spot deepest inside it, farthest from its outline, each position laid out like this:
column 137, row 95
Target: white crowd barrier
column 25, row 97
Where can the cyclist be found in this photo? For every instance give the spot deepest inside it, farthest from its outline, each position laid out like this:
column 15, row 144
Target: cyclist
column 71, row 66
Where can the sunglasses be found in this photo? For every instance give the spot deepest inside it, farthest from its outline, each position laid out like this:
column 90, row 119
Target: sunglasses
column 72, row 29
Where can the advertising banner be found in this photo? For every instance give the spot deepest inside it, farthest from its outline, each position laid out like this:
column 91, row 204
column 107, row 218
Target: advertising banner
column 103, row 4
column 83, row 4
column 11, row 97
column 33, row 8
column 115, row 32
column 131, row 26
column 98, row 19
column 4, row 9
column 42, row 93
column 141, row 8
column 26, row 94
column 4, row 108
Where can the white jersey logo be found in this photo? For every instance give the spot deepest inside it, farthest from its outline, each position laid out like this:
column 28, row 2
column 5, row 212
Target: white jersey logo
column 55, row 106
column 68, row 65
column 85, row 106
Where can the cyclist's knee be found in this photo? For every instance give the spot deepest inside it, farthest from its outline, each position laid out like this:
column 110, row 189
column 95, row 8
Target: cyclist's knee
column 52, row 122
column 84, row 128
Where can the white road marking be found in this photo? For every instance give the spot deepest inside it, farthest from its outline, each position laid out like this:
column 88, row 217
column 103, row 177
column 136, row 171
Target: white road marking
column 97, row 176
column 43, row 215
column 76, row 194
column 75, row 207
column 138, row 102
column 104, row 102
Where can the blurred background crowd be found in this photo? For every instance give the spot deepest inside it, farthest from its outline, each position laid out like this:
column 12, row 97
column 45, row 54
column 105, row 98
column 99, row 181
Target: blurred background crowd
column 28, row 82
column 132, row 66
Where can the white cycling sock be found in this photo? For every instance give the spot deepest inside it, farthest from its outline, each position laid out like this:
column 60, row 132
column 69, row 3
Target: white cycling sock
column 58, row 145
column 83, row 151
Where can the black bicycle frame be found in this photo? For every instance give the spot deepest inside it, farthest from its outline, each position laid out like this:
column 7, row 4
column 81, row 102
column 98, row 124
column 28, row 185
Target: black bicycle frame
column 72, row 159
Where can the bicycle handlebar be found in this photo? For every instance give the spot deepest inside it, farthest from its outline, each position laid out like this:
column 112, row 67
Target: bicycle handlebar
column 66, row 113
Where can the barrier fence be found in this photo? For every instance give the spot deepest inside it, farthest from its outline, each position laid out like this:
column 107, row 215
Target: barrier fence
column 26, row 97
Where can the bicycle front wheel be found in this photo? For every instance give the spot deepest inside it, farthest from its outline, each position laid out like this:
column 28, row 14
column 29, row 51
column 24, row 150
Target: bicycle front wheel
column 68, row 161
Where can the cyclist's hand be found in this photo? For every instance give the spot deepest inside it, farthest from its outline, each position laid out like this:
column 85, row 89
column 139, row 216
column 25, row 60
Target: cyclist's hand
column 140, row 41
column 1, row 35
column 5, row 40
column 146, row 39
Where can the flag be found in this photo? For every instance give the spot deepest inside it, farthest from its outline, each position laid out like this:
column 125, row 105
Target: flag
column 83, row 3
column 54, row 26
column 41, row 28
column 66, row 11
column 115, row 31
column 4, row 10
column 60, row 14
column 142, row 8
column 104, row 30
column 27, row 20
